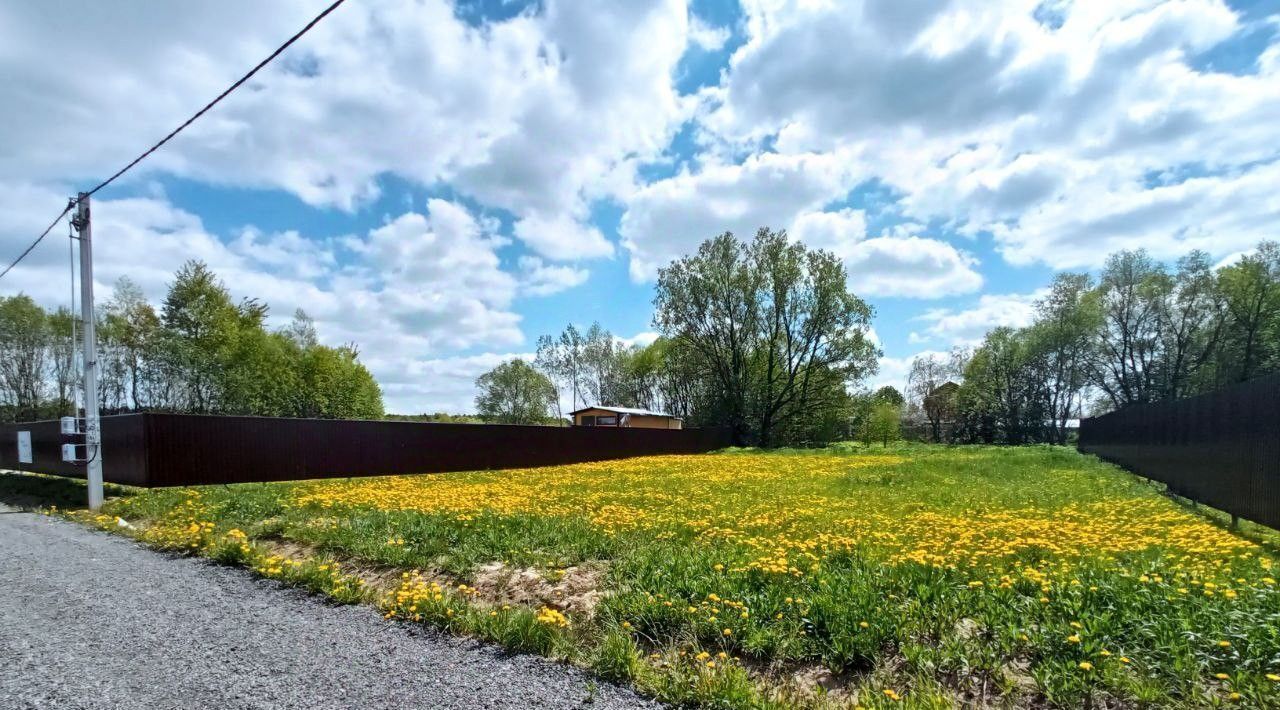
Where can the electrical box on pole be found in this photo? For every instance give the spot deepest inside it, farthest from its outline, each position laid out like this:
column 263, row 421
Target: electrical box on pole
column 92, row 424
column 24, row 447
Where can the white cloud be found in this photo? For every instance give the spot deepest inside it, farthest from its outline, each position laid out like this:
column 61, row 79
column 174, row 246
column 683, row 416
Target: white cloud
column 643, row 338
column 890, row 265
column 538, row 114
column 669, row 218
column 981, row 116
column 891, row 373
column 968, row 326
column 538, row 278
column 1220, row 214
column 706, row 37
column 412, row 291
column 445, row 384
column 1056, row 142
column 562, row 238
column 837, row 232
column 913, row 267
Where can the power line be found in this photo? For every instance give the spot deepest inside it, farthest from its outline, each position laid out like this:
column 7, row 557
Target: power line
column 40, row 238
column 298, row 35
column 221, row 96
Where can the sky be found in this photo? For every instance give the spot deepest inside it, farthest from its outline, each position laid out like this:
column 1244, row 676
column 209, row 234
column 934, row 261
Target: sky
column 441, row 183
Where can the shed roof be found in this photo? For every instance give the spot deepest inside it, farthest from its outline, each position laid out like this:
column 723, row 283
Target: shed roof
column 623, row 410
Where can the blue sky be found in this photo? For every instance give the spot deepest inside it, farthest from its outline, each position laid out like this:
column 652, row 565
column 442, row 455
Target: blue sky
column 443, row 183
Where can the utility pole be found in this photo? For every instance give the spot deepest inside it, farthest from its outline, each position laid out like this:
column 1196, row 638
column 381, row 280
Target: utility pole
column 92, row 424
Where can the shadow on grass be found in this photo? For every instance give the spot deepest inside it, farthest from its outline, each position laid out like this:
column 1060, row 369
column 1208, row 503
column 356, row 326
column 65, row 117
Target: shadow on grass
column 1266, row 537
column 28, row 491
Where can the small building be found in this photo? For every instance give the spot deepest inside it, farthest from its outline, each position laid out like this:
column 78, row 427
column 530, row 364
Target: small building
column 624, row 417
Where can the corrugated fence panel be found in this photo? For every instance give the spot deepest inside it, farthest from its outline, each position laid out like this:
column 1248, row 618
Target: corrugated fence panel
column 1221, row 448
column 123, row 435
column 177, row 450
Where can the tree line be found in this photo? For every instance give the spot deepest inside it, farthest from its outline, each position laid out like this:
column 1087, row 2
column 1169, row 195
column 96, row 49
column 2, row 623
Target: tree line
column 761, row 337
column 200, row 353
column 1141, row 332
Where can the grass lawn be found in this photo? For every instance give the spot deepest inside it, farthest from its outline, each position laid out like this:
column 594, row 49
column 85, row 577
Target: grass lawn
column 900, row 577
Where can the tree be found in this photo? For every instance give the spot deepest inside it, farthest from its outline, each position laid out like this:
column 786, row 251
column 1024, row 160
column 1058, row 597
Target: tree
column 201, row 325
column 681, row 389
column 928, row 373
column 890, row 394
column 514, row 392
column 24, row 336
column 1060, row 344
column 1192, row 327
column 1251, row 294
column 1003, row 395
column 600, row 365
column 301, row 331
column 62, row 349
column 563, row 361
column 769, row 329
column 1132, row 297
column 205, row 355
column 883, row 423
column 335, row 385
column 130, row 323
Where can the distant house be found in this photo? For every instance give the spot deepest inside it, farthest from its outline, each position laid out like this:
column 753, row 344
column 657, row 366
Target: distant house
column 943, row 392
column 624, row 417
column 940, row 410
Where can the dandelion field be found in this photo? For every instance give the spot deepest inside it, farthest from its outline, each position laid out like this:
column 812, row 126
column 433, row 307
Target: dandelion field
column 846, row 577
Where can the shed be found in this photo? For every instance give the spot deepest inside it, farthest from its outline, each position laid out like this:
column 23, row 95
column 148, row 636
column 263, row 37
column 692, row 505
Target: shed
column 601, row 415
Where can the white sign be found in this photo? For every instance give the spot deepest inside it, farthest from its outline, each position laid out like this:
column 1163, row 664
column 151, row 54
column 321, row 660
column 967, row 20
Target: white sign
column 24, row 447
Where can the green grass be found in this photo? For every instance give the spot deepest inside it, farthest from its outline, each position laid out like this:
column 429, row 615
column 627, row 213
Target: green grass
column 913, row 576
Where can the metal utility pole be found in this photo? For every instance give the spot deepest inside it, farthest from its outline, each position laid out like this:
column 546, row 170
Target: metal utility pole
column 92, row 424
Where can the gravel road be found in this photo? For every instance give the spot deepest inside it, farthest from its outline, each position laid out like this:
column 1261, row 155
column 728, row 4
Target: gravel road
column 88, row 620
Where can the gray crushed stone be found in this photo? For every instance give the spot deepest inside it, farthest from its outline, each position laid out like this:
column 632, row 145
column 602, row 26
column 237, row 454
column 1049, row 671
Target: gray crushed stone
column 90, row 620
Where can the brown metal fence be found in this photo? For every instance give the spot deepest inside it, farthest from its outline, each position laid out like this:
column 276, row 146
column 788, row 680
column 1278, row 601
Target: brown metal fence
column 180, row 450
column 1221, row 449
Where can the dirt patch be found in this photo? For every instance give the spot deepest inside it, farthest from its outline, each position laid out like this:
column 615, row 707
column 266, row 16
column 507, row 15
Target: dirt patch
column 819, row 681
column 802, row 684
column 378, row 579
column 572, row 589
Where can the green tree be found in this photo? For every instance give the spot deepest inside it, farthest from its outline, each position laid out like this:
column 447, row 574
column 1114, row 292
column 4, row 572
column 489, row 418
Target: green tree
column 333, row 384
column 1060, row 346
column 890, row 394
column 201, row 324
column 1251, row 295
column 770, row 327
column 515, row 392
column 1132, row 299
column 563, row 360
column 928, row 372
column 24, row 362
column 1003, row 395
column 1192, row 327
column 883, row 422
column 131, row 323
column 63, row 328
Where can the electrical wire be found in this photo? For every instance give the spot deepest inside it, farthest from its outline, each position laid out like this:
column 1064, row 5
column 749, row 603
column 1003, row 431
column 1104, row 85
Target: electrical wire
column 40, row 238
column 298, row 35
column 221, row 96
